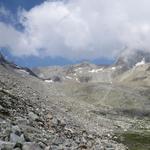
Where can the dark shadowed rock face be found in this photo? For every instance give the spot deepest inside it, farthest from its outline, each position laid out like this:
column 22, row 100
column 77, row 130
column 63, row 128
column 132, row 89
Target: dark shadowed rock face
column 1, row 59
column 4, row 62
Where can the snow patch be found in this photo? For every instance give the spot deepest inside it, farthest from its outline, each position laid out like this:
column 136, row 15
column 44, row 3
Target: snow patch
column 101, row 69
column 96, row 70
column 48, row 81
column 113, row 68
column 92, row 71
column 68, row 77
column 78, row 69
column 140, row 63
column 23, row 71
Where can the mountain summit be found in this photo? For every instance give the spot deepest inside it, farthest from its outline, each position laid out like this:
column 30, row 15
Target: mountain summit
column 128, row 59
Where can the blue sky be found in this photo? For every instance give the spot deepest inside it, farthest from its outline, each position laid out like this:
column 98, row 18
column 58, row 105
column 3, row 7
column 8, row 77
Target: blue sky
column 59, row 32
column 33, row 61
column 13, row 5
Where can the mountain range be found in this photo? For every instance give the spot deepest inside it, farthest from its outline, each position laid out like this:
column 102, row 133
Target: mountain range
column 81, row 106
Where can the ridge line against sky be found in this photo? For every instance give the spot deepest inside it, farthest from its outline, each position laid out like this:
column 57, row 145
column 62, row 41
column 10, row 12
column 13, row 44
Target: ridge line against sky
column 73, row 30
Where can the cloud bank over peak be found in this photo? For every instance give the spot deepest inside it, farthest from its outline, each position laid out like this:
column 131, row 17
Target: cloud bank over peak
column 79, row 29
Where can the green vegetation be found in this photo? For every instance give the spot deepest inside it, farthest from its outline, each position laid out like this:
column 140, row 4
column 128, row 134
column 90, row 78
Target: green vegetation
column 135, row 140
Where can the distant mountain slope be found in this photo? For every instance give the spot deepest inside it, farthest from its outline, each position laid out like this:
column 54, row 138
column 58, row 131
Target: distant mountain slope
column 14, row 67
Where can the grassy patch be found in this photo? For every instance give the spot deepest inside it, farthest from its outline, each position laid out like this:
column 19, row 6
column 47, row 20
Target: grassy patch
column 135, row 140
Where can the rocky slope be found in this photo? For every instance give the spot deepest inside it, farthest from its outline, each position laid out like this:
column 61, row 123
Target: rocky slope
column 82, row 106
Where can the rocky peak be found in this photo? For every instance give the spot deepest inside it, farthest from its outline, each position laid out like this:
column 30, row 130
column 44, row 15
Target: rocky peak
column 130, row 58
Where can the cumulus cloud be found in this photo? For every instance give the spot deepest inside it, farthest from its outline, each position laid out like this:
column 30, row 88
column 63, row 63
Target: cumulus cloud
column 80, row 29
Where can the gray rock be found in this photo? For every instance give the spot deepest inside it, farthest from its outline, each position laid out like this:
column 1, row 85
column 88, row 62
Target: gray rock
column 31, row 146
column 47, row 148
column 18, row 145
column 42, row 145
column 68, row 143
column 6, row 145
column 73, row 145
column 59, row 140
column 17, row 139
column 16, row 130
column 89, row 143
column 22, row 121
column 63, row 122
column 83, row 140
column 54, row 147
column 49, row 116
column 4, row 111
column 26, row 137
column 54, row 121
column 33, row 116
column 17, row 148
column 1, row 108
column 109, row 147
column 77, row 140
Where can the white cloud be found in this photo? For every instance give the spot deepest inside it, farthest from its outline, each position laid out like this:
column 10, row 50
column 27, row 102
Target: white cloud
column 16, row 41
column 80, row 29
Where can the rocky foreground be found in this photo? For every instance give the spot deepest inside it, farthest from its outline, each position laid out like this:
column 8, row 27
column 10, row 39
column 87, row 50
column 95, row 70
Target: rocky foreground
column 26, row 125
column 28, row 121
column 56, row 113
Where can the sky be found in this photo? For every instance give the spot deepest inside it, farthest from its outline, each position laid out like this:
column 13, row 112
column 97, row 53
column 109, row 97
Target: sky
column 59, row 32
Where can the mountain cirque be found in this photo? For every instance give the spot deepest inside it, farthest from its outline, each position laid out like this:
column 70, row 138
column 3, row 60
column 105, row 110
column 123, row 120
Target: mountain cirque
column 75, row 107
